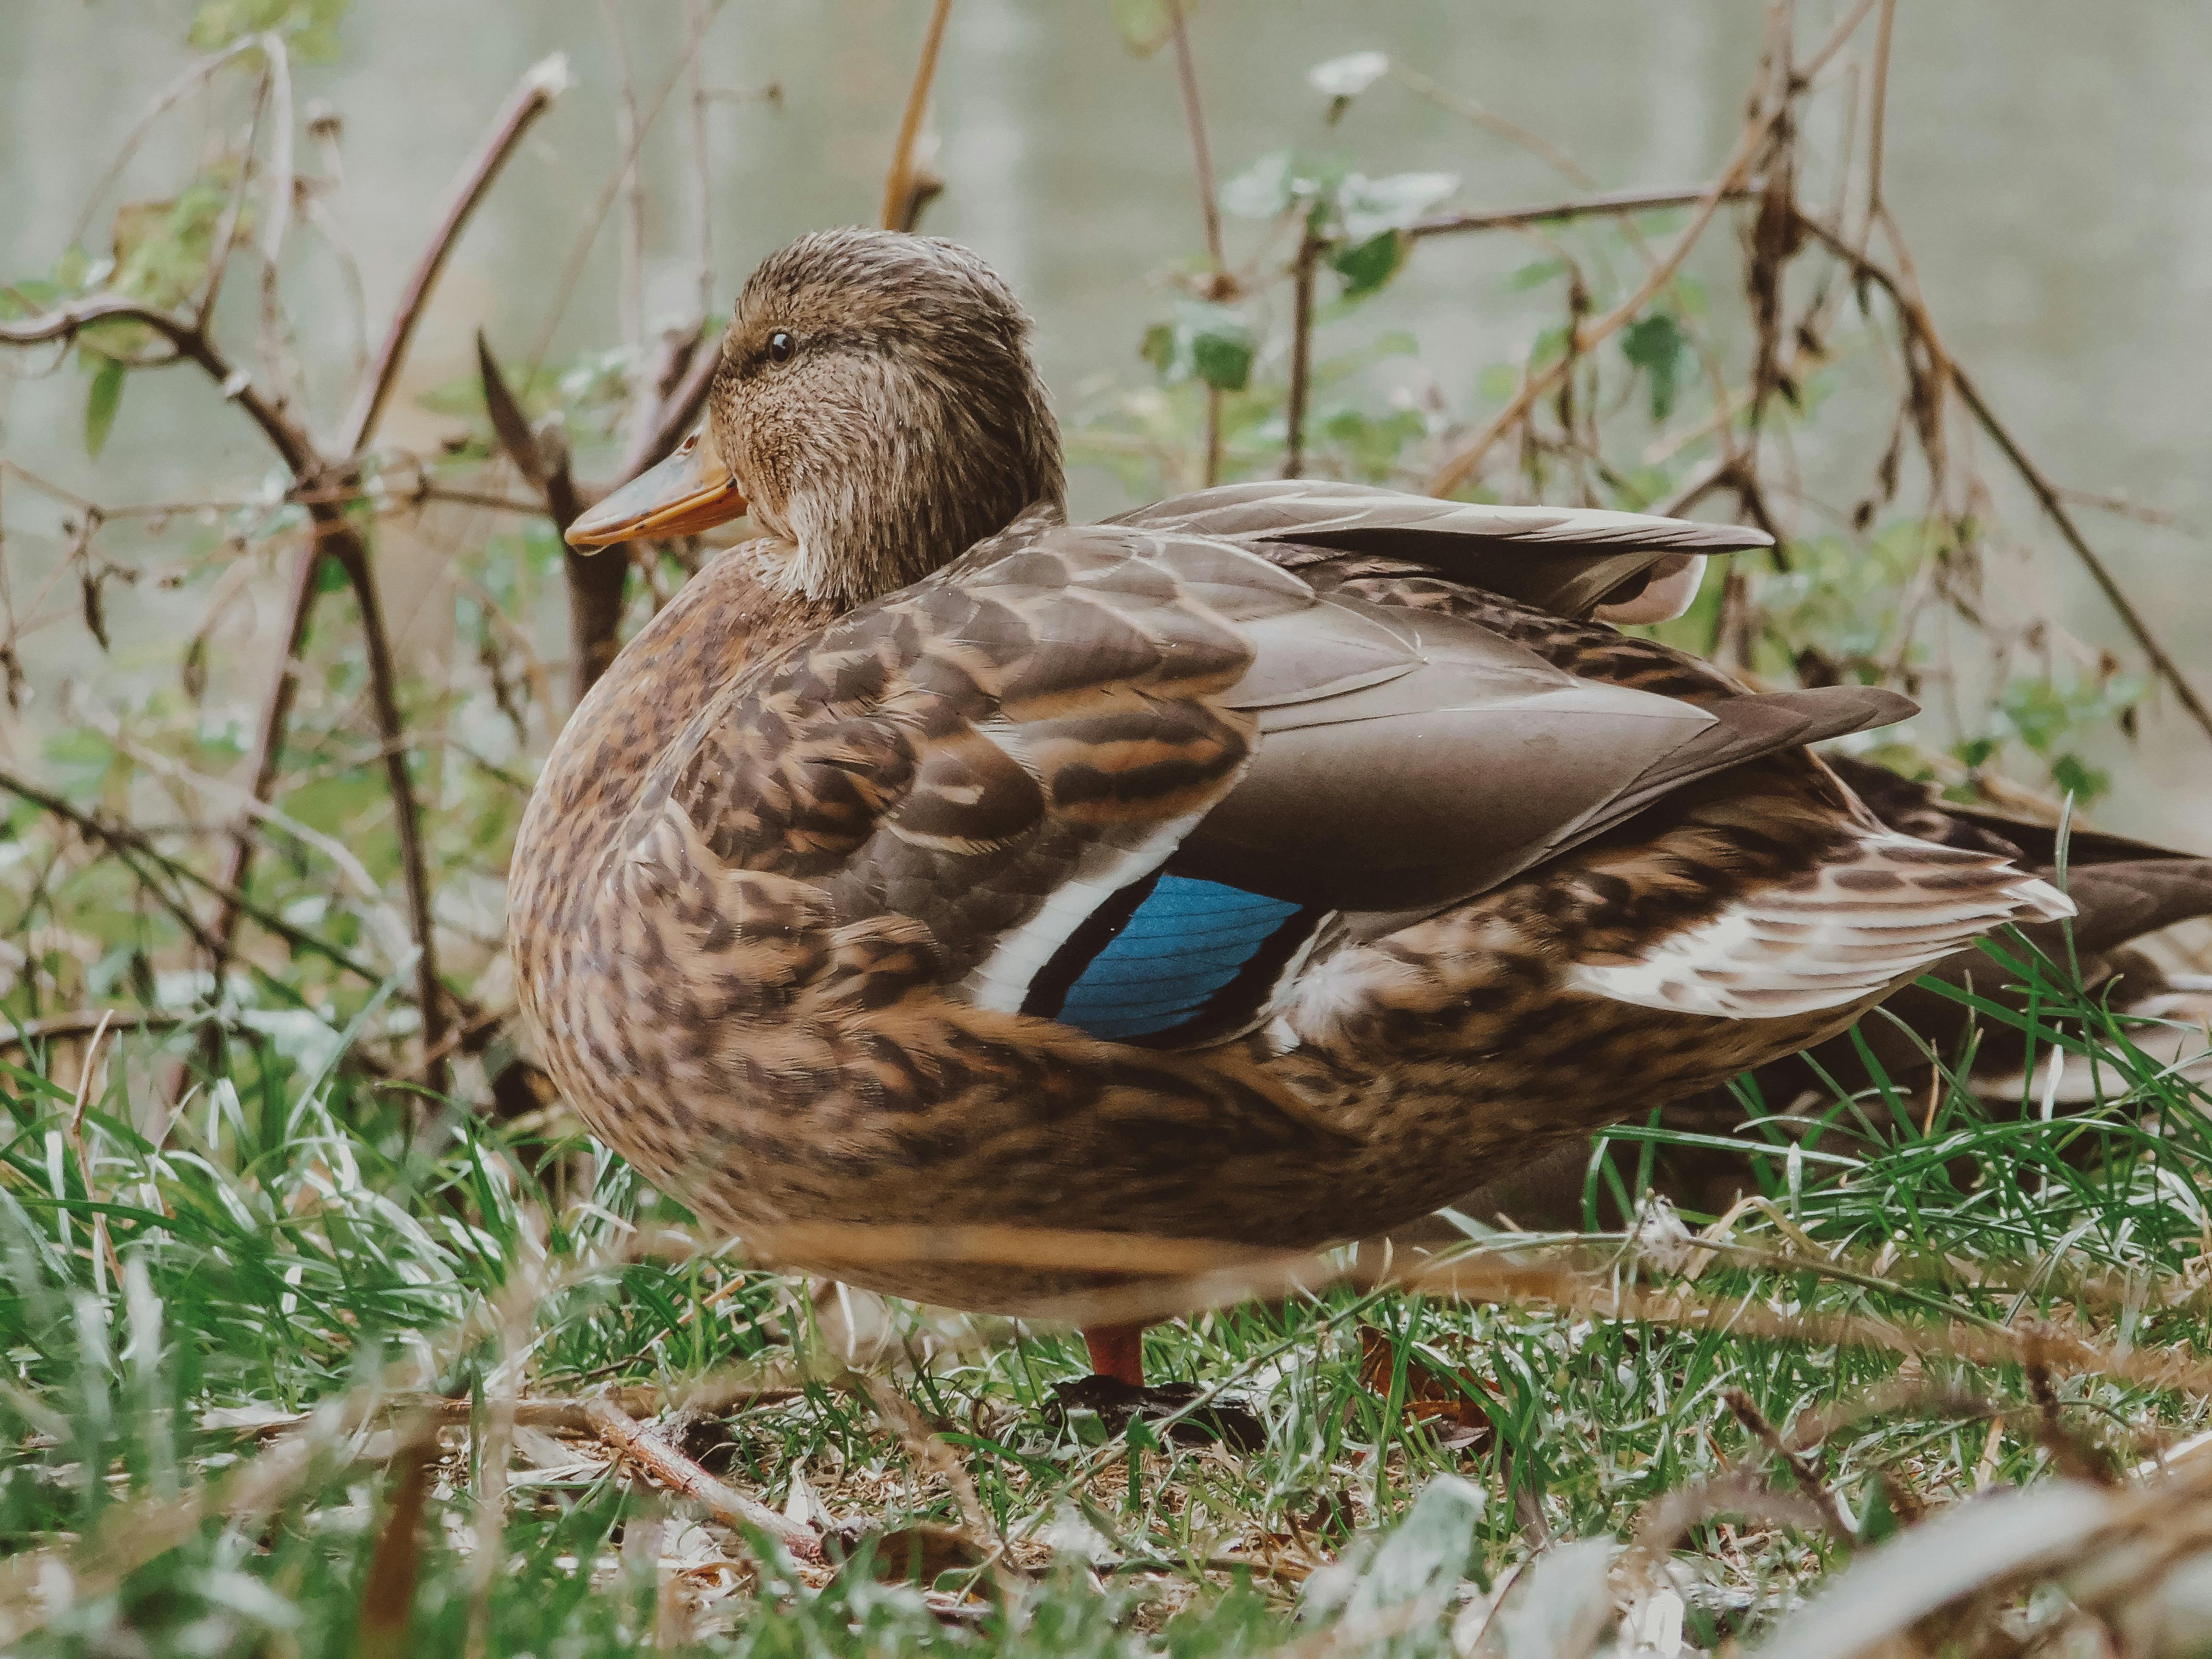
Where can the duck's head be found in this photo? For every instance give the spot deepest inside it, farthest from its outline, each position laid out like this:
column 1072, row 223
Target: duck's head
column 875, row 409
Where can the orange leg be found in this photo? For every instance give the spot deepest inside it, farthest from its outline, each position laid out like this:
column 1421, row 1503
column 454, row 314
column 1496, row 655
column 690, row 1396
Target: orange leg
column 1118, row 1352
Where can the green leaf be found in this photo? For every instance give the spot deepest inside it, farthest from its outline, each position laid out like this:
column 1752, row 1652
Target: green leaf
column 1211, row 343
column 1366, row 266
column 1879, row 1519
column 1656, row 344
column 1536, row 274
column 2079, row 779
column 1498, row 382
column 1221, row 349
column 1147, row 24
column 309, row 26
column 100, row 404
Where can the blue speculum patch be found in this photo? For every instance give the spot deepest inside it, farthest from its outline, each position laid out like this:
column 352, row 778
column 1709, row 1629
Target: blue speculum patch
column 1184, row 944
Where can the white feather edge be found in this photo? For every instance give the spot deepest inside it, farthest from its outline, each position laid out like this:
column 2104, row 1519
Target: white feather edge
column 1784, row 953
column 1002, row 980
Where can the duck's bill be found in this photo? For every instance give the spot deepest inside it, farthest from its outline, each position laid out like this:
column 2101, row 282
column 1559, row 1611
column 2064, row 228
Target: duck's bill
column 690, row 491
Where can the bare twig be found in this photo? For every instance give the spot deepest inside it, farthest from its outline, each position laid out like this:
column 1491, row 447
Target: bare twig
column 1803, row 75
column 1579, row 207
column 541, row 84
column 670, row 1467
column 1587, row 337
column 414, row 861
column 538, row 88
column 1219, row 284
column 192, row 345
column 1799, row 1465
column 1489, row 121
column 901, row 207
column 1201, row 153
column 1294, row 413
column 2047, row 494
column 564, row 286
column 1877, row 120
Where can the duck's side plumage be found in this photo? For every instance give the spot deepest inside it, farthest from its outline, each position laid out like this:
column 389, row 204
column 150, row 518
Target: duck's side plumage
column 1427, row 877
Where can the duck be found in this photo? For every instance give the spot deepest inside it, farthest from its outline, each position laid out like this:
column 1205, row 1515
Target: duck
column 1255, row 870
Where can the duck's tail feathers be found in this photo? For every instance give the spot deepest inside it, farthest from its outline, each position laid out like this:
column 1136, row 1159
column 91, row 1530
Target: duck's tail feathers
column 1885, row 907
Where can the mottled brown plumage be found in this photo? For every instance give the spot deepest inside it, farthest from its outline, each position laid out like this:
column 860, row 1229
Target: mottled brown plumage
column 833, row 902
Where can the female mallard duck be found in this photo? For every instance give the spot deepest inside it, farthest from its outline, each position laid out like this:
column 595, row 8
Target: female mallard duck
column 1265, row 866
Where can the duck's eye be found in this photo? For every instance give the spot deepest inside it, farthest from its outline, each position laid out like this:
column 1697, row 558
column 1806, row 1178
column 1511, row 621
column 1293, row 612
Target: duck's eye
column 780, row 347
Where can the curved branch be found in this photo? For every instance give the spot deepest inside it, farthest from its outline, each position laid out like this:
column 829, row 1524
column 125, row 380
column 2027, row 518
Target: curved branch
column 191, row 343
column 544, row 82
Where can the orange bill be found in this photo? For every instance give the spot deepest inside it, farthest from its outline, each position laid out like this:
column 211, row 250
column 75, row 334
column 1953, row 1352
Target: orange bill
column 690, row 491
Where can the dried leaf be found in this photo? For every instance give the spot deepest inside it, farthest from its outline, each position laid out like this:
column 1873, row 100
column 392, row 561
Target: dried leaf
column 916, row 1555
column 95, row 606
column 1448, row 1403
column 507, row 419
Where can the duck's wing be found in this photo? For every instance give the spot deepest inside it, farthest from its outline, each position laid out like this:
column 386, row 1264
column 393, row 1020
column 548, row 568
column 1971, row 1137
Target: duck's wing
column 1019, row 754
column 1563, row 559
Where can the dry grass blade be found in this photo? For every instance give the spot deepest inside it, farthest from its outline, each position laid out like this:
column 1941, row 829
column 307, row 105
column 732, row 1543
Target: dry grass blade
column 387, row 1599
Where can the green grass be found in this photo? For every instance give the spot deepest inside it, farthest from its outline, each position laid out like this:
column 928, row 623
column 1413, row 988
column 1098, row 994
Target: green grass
column 291, row 1238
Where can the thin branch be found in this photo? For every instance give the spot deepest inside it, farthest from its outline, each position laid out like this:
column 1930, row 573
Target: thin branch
column 1877, row 117
column 541, row 84
column 544, row 82
column 1489, row 121
column 413, row 861
column 1463, row 461
column 1579, row 207
column 1201, row 153
column 168, row 100
column 2047, row 494
column 192, row 345
column 625, row 1435
column 900, row 207
column 1302, row 290
column 1801, row 76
